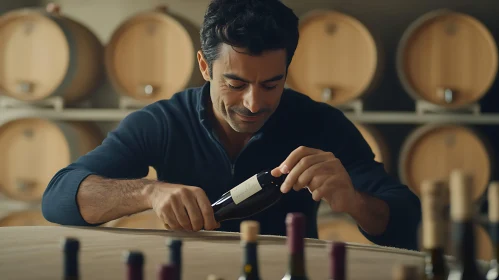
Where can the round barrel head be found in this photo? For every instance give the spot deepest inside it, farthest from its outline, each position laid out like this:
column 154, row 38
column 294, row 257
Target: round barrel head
column 26, row 75
column 432, row 151
column 32, row 150
column 151, row 56
column 447, row 58
column 336, row 60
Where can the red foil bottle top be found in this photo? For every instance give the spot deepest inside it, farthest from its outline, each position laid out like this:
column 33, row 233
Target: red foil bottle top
column 337, row 255
column 295, row 224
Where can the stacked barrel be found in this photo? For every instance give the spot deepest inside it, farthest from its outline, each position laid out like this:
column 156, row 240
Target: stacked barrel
column 444, row 58
column 46, row 55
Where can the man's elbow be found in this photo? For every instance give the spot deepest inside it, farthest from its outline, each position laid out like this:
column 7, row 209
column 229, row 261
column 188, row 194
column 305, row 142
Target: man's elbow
column 58, row 204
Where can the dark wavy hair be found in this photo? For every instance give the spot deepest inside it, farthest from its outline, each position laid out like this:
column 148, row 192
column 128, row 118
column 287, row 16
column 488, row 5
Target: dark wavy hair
column 256, row 25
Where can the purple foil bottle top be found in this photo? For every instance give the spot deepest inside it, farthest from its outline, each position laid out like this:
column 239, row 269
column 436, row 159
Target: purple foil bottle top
column 295, row 224
column 337, row 255
column 167, row 272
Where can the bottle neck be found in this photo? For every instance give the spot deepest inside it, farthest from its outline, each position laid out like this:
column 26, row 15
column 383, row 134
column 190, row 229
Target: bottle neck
column 464, row 243
column 175, row 258
column 250, row 264
column 494, row 236
column 135, row 272
column 296, row 266
column 71, row 267
column 436, row 266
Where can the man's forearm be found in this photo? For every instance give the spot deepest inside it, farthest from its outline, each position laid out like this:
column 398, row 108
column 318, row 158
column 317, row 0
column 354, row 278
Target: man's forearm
column 372, row 214
column 101, row 200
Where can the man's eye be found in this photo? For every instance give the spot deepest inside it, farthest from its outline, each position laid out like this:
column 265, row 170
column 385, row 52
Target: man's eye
column 270, row 87
column 234, row 87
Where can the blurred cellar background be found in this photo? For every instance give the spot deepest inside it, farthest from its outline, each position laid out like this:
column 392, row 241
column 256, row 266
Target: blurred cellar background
column 418, row 78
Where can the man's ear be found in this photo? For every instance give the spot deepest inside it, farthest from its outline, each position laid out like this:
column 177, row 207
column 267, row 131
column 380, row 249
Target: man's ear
column 203, row 66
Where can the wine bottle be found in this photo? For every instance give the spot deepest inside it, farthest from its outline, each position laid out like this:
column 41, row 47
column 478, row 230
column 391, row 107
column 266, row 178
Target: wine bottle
column 252, row 196
column 493, row 200
column 167, row 272
column 135, row 265
column 434, row 195
column 295, row 226
column 175, row 248
column 406, row 272
column 463, row 235
column 337, row 260
column 70, row 247
column 249, row 234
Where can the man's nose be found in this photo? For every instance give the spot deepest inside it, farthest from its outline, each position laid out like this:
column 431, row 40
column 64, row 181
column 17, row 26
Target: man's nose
column 252, row 100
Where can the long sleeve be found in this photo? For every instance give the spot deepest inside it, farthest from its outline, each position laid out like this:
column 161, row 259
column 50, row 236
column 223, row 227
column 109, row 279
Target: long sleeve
column 370, row 177
column 126, row 153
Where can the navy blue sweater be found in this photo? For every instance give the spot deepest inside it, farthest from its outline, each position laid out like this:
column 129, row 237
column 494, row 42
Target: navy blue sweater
column 175, row 137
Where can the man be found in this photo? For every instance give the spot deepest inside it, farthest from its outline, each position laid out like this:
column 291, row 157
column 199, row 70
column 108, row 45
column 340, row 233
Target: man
column 204, row 141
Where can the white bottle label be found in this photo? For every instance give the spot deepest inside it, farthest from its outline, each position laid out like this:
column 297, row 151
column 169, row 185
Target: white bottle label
column 245, row 189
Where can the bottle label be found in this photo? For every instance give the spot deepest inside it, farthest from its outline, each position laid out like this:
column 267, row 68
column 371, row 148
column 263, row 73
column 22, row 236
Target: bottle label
column 245, row 189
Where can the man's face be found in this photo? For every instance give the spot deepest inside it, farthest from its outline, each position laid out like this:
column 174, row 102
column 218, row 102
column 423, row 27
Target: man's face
column 246, row 89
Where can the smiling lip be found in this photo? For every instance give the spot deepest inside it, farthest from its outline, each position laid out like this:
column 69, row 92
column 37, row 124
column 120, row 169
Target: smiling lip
column 249, row 119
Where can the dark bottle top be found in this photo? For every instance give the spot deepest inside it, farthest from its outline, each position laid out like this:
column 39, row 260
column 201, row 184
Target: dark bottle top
column 135, row 265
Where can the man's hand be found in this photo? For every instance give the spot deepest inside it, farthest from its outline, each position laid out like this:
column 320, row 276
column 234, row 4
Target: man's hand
column 326, row 178
column 322, row 173
column 182, row 207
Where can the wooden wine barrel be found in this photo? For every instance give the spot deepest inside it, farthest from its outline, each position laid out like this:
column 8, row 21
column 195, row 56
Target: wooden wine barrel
column 203, row 253
column 432, row 151
column 45, row 54
column 33, row 150
column 24, row 218
column 337, row 58
column 377, row 143
column 447, row 58
column 152, row 175
column 340, row 228
column 144, row 220
column 152, row 55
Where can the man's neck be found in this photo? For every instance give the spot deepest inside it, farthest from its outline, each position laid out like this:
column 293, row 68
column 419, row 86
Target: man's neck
column 232, row 141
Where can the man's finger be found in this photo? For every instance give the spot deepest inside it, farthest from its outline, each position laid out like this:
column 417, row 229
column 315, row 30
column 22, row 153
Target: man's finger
column 326, row 189
column 170, row 219
column 309, row 168
column 193, row 211
column 181, row 214
column 303, row 164
column 207, row 212
column 317, row 181
column 295, row 156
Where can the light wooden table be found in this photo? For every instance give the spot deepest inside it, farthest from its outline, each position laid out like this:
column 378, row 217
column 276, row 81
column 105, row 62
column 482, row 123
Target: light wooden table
column 34, row 253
